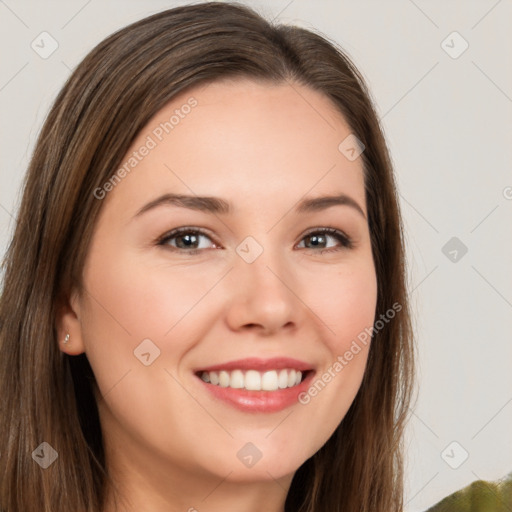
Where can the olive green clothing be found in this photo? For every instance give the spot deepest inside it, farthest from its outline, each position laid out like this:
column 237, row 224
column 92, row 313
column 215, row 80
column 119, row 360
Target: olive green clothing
column 480, row 496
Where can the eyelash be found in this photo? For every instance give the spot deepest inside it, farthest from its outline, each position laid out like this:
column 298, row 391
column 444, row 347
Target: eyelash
column 345, row 241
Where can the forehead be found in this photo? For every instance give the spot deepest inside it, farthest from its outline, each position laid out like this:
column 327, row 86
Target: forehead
column 243, row 140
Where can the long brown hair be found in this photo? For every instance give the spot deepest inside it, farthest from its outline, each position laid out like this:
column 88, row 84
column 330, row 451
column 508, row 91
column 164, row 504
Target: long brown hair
column 48, row 395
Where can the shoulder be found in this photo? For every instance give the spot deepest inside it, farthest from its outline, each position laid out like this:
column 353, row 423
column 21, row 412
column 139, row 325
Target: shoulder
column 480, row 496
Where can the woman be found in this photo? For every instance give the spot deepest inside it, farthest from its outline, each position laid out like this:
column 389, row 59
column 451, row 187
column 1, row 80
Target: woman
column 204, row 301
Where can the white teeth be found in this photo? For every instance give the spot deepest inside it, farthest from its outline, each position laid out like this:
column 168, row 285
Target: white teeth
column 269, row 381
column 291, row 378
column 237, row 379
column 283, row 379
column 223, row 379
column 253, row 380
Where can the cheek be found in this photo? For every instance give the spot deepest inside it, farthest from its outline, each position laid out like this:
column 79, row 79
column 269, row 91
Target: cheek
column 346, row 307
column 130, row 301
column 127, row 305
column 346, row 304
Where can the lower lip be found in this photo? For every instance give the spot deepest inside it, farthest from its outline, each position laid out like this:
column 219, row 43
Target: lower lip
column 259, row 401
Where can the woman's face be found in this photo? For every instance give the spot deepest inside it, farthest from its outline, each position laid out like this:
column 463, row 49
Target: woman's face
column 248, row 294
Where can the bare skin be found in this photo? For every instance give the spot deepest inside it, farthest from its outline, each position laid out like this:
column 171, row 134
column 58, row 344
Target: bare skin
column 171, row 445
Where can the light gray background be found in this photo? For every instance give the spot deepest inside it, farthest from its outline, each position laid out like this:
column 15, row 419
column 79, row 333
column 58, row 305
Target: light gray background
column 448, row 124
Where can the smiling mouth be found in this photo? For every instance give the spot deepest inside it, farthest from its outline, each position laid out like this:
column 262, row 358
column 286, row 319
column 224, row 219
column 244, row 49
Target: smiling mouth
column 254, row 380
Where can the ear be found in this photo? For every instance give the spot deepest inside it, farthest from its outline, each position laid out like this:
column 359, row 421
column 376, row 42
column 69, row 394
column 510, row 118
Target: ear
column 68, row 321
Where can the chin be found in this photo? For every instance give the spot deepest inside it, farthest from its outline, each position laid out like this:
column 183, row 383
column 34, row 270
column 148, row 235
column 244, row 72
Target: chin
column 264, row 461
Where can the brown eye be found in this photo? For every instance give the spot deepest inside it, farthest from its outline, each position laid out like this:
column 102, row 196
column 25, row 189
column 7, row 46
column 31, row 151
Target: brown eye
column 323, row 239
column 186, row 239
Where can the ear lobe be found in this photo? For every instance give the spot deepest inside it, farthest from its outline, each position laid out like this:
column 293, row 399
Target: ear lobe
column 68, row 322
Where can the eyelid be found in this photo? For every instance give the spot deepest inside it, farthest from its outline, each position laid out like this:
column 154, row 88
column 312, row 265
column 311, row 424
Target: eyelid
column 345, row 240
column 185, row 229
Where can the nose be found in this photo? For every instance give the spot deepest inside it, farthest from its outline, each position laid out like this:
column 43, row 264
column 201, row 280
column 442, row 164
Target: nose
column 262, row 296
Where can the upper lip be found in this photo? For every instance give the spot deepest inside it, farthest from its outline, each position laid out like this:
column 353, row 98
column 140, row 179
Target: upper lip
column 259, row 364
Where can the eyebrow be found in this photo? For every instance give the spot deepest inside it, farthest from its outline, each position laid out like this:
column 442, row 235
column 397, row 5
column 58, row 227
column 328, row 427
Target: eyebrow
column 216, row 205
